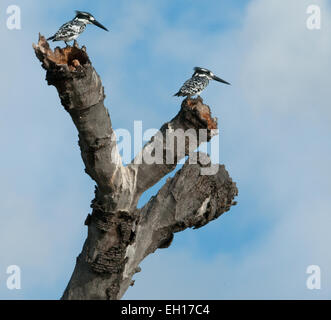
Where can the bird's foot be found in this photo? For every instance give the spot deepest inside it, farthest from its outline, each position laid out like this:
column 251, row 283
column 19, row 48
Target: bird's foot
column 76, row 44
column 199, row 99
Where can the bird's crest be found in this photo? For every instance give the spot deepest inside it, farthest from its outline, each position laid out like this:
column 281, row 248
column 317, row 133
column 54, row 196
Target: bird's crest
column 83, row 14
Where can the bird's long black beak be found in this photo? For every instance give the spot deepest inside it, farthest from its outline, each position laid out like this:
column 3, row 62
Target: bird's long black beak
column 221, row 80
column 98, row 24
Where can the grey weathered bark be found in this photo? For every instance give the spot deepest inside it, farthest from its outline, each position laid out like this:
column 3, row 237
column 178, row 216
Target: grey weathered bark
column 120, row 236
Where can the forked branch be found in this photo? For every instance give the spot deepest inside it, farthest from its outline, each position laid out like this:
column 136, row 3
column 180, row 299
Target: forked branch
column 120, row 236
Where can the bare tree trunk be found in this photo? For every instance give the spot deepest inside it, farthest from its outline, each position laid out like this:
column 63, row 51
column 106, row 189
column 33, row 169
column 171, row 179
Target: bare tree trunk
column 120, row 236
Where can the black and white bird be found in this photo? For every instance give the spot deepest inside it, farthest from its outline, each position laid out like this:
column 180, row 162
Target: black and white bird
column 198, row 82
column 72, row 29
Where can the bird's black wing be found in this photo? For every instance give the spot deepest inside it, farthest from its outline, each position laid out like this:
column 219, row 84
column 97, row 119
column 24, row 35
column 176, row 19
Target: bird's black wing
column 192, row 86
column 68, row 30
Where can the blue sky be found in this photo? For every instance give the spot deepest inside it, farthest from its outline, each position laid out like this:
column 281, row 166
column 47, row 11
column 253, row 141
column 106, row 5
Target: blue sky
column 274, row 140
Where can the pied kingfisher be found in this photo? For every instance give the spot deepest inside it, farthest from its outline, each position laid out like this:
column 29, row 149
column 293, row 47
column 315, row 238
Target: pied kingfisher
column 198, row 82
column 72, row 29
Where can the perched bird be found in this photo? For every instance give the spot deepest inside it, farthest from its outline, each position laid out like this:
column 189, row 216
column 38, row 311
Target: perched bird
column 72, row 29
column 198, row 82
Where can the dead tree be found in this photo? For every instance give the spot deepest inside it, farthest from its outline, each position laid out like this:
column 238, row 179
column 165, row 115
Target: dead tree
column 120, row 236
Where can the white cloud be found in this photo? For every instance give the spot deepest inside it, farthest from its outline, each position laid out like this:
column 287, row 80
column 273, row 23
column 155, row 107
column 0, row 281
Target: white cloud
column 284, row 60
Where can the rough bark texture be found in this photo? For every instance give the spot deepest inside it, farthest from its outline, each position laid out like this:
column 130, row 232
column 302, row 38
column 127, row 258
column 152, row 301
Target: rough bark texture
column 120, row 236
